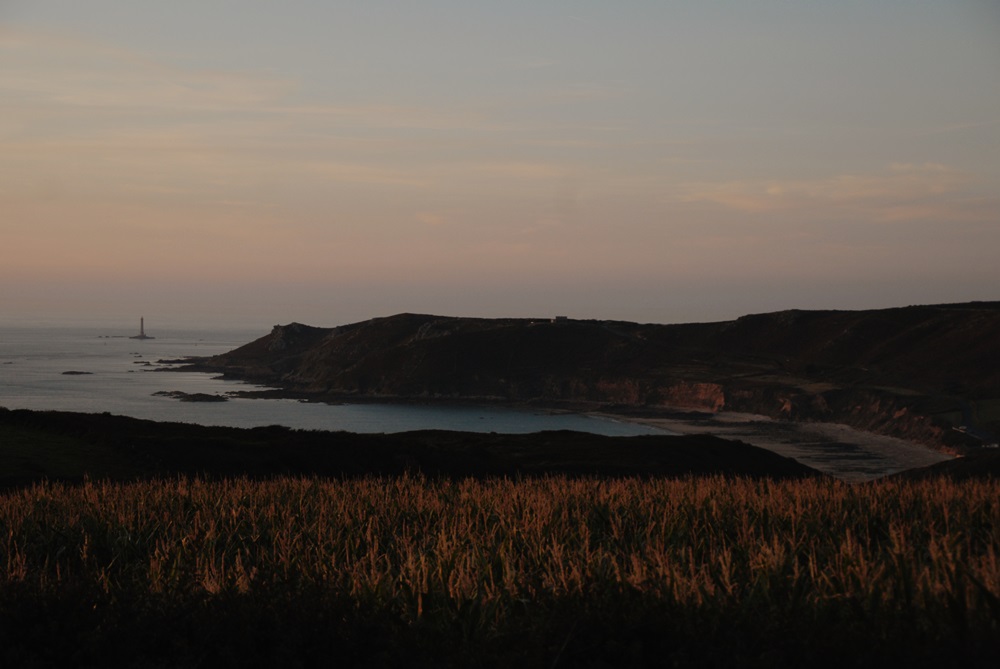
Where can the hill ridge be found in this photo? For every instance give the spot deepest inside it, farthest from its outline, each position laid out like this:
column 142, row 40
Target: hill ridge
column 916, row 371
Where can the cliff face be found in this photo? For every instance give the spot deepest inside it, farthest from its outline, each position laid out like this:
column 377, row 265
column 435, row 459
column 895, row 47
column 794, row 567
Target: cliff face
column 913, row 372
column 688, row 395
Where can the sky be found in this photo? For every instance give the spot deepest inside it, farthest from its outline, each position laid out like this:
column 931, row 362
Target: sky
column 253, row 162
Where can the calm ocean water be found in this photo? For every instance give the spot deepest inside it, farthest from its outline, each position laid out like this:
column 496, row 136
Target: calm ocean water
column 120, row 380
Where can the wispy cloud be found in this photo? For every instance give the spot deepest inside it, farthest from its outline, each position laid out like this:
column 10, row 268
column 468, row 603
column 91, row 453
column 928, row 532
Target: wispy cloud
column 74, row 72
column 966, row 125
column 901, row 192
column 534, row 64
column 522, row 170
column 101, row 118
column 584, row 91
column 84, row 117
column 365, row 174
column 432, row 219
column 49, row 74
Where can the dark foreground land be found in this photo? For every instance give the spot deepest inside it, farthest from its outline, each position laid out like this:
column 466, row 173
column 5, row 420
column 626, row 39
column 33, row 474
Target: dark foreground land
column 187, row 546
column 68, row 446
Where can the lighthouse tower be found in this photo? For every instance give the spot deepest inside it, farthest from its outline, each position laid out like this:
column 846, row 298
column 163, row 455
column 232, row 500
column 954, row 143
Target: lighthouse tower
column 142, row 330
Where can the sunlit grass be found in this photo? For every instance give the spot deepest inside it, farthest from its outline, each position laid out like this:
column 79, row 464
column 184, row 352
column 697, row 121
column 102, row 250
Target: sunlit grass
column 490, row 554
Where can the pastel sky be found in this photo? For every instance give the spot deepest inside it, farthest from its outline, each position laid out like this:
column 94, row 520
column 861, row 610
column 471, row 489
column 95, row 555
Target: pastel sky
column 256, row 162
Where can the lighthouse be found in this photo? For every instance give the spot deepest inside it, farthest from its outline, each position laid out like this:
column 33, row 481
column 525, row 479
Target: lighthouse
column 142, row 330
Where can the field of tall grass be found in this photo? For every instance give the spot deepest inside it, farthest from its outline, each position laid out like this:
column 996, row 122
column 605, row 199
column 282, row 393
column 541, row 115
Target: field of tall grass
column 540, row 572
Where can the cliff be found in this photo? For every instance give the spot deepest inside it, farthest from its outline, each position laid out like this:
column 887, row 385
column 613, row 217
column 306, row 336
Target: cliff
column 915, row 372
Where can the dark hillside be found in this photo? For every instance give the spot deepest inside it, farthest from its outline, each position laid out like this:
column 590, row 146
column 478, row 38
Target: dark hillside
column 914, row 372
column 49, row 445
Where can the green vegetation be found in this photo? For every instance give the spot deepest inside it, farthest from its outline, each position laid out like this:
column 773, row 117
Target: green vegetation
column 547, row 571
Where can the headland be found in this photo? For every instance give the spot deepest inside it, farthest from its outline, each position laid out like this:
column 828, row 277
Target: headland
column 927, row 375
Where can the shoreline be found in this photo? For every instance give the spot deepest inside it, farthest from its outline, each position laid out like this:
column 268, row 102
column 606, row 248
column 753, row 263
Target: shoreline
column 838, row 450
column 835, row 449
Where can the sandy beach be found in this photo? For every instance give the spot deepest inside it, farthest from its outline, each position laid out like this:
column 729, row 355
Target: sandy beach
column 838, row 450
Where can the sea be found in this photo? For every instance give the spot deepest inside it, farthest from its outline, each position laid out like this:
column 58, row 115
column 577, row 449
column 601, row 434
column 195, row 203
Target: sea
column 111, row 372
